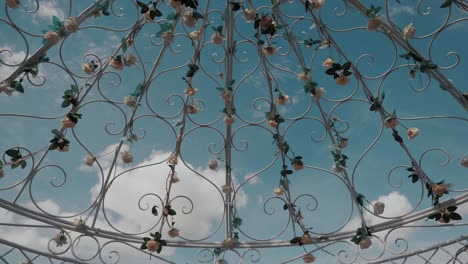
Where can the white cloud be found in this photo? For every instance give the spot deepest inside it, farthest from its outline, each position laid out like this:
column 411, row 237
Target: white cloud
column 15, row 58
column 48, row 9
column 397, row 10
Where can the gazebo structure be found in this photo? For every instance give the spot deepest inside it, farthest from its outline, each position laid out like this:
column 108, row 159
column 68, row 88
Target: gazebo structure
column 238, row 131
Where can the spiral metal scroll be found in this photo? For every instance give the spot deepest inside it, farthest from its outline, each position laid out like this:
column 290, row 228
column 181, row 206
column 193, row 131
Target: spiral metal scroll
column 164, row 160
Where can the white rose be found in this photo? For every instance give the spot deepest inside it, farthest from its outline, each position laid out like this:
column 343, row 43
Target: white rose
column 342, row 80
column 195, row 35
column 172, row 160
column 250, row 15
column 168, row 37
column 174, row 232
column 303, row 76
column 379, row 208
column 89, row 160
column 412, row 132
column 319, row 92
column 88, row 68
column 328, row 63
column 174, row 178
column 189, row 20
column 317, row 4
column 227, row 188
column 229, row 120
column 308, row 258
column 126, row 157
column 68, row 123
column 409, row 31
column 130, row 59
column 229, row 243
column 116, row 63
column 71, row 25
column 213, row 164
column 52, row 37
column 343, row 143
column 374, row 23
column 79, row 224
column 365, row 243
column 2, row 174
column 13, row 3
column 337, row 168
column 464, row 161
column 278, row 191
column 217, row 39
column 130, row 101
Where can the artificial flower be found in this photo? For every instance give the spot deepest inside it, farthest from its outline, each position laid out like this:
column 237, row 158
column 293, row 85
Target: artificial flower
column 2, row 174
column 270, row 50
column 130, row 59
column 195, row 35
column 342, row 80
column 168, row 37
column 282, row 99
column 337, row 168
column 71, row 25
column 227, row 95
column 52, row 37
column 379, row 208
column 391, row 122
column 130, row 101
column 464, row 161
column 229, row 120
column 213, row 164
column 13, row 3
column 189, row 20
column 374, row 23
column 176, row 4
column 192, row 109
column 343, row 143
column 279, row 190
column 227, row 188
column 365, row 243
column 306, row 239
column 88, row 68
column 319, row 93
column 298, row 165
column 116, row 62
column 217, row 39
column 172, row 160
column 308, row 258
column 412, row 132
column 79, row 225
column 272, row 122
column 229, row 243
column 89, row 160
column 174, row 232
column 174, row 178
column 317, row 4
column 266, row 22
column 126, row 157
column 303, row 76
column 63, row 148
column 152, row 245
column 439, row 189
column 409, row 31
column 328, row 63
column 68, row 123
column 250, row 15
column 190, row 91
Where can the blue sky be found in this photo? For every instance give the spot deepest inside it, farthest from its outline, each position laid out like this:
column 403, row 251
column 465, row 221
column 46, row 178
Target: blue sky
column 102, row 35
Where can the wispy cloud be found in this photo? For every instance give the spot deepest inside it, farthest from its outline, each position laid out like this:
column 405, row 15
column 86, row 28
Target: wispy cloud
column 397, row 10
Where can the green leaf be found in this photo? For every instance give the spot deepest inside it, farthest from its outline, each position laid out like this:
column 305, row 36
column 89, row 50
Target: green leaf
column 346, row 66
column 451, row 208
column 446, row 4
column 23, row 164
column 124, row 45
column 236, row 222
column 171, row 16
column 285, row 207
column 13, row 153
column 455, row 216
